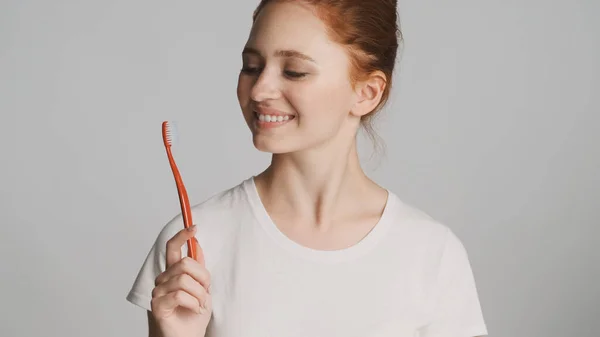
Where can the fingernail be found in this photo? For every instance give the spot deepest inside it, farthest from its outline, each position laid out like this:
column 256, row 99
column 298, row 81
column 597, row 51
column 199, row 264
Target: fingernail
column 191, row 228
column 202, row 310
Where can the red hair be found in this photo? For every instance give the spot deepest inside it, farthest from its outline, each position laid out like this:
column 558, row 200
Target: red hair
column 370, row 32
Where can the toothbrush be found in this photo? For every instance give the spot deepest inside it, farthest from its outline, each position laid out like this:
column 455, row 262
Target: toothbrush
column 169, row 134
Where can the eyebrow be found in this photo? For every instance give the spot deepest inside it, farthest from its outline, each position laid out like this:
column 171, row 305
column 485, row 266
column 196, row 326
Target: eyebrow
column 281, row 53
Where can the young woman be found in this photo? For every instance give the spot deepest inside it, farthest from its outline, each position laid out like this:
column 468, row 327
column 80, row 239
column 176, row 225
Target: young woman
column 311, row 247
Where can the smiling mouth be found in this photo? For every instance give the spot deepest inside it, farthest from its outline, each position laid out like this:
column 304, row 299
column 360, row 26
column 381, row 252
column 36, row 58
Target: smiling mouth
column 273, row 118
column 270, row 121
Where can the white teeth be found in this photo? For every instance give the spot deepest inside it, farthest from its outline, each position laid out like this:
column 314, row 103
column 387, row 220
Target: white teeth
column 269, row 118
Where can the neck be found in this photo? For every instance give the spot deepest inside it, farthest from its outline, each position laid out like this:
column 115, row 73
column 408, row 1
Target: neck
column 315, row 186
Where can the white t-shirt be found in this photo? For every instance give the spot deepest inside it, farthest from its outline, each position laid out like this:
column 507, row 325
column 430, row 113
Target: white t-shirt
column 410, row 276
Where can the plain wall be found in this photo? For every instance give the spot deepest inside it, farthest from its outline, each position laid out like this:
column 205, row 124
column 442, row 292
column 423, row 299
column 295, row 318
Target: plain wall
column 492, row 129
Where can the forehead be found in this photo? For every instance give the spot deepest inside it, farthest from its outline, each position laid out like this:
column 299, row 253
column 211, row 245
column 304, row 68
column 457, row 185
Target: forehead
column 289, row 25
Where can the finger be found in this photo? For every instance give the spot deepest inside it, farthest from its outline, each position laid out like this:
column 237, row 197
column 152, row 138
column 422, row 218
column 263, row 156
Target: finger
column 176, row 242
column 182, row 282
column 165, row 305
column 188, row 266
column 199, row 252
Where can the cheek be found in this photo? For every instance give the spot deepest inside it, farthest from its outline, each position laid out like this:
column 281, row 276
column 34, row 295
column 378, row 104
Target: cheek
column 322, row 103
column 243, row 90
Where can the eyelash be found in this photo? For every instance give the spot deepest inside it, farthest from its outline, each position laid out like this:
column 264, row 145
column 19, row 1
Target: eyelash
column 290, row 74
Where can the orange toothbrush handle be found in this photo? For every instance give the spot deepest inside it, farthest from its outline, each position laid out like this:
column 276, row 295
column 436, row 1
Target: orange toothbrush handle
column 185, row 205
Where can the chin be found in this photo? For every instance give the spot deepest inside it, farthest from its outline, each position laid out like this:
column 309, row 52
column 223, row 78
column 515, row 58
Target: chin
column 270, row 146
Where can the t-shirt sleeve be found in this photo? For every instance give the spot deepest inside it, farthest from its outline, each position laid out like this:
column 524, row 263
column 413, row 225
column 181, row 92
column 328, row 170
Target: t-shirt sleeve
column 155, row 263
column 456, row 307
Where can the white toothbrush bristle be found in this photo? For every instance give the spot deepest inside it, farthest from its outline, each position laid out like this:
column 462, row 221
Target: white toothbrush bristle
column 171, row 133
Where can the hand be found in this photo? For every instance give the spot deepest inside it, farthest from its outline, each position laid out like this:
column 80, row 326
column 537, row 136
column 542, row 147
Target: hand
column 181, row 302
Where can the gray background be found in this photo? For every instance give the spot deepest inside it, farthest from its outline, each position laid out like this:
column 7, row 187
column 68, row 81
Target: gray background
column 492, row 129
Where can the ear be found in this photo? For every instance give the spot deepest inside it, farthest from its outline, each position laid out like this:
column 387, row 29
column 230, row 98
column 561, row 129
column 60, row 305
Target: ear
column 369, row 93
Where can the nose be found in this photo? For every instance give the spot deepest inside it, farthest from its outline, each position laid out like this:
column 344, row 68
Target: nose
column 266, row 87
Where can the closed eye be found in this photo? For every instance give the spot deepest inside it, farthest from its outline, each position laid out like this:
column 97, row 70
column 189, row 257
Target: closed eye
column 288, row 73
column 250, row 70
column 294, row 74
